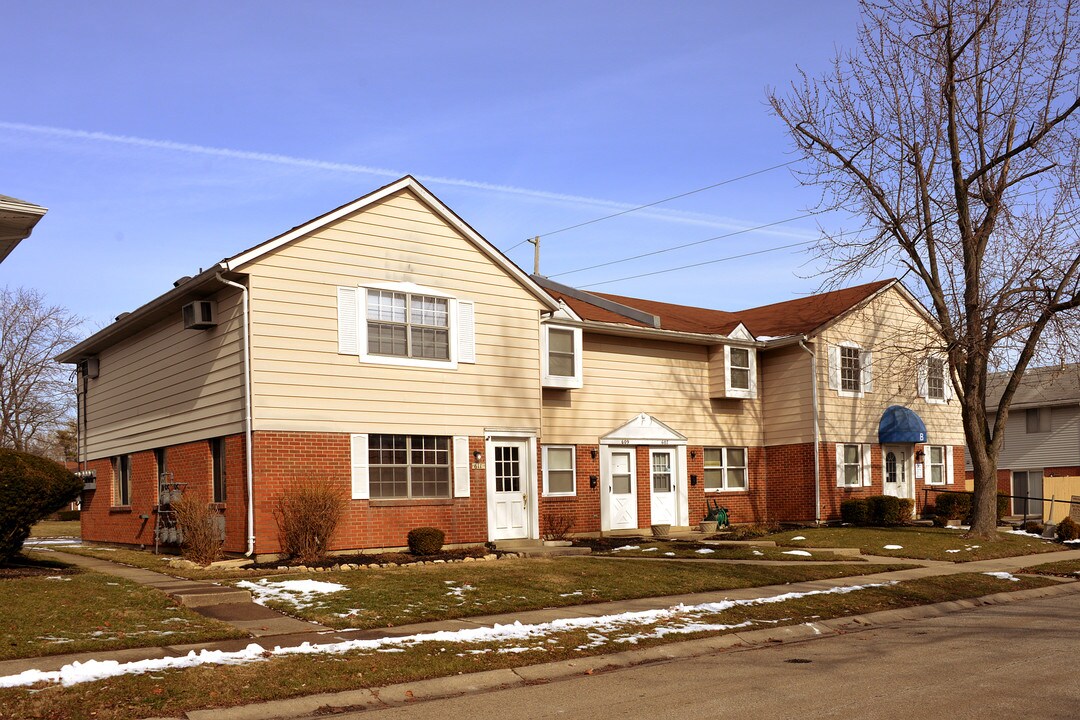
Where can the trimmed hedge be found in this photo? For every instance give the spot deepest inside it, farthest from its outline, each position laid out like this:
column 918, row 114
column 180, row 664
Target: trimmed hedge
column 877, row 511
column 31, row 489
column 957, row 506
column 68, row 515
column 426, row 540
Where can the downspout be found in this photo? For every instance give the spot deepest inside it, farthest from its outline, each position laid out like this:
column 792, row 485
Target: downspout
column 817, row 429
column 249, row 470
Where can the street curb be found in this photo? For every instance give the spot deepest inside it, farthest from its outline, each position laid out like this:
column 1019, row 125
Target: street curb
column 486, row 681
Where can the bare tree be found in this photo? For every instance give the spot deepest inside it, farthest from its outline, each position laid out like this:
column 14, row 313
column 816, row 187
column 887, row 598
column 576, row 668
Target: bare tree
column 36, row 397
column 950, row 131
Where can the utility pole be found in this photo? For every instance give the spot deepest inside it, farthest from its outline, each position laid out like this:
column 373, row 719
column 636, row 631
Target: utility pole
column 536, row 254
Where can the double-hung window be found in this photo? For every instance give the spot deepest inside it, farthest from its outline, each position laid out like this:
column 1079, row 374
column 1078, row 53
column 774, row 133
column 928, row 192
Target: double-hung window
column 935, row 461
column 935, row 378
column 408, row 325
column 122, row 480
column 217, row 453
column 852, row 465
column 850, row 371
column 725, row 469
column 409, row 466
column 559, row 470
column 561, row 356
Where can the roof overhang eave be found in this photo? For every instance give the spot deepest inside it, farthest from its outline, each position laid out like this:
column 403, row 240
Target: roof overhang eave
column 141, row 315
column 632, row 331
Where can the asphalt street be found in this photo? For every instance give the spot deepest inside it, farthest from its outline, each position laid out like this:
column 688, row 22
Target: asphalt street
column 1006, row 661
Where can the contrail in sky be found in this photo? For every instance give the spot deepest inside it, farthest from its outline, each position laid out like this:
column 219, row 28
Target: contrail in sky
column 130, row 140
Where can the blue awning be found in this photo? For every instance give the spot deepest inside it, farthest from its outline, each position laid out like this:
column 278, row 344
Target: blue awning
column 901, row 425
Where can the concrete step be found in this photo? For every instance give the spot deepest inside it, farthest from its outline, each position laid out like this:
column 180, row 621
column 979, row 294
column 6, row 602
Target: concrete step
column 536, row 548
column 205, row 595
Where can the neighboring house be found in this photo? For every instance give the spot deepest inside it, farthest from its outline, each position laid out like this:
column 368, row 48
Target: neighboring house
column 1040, row 455
column 17, row 221
column 388, row 348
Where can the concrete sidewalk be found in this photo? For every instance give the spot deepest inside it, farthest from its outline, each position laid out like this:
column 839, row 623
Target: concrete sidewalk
column 317, row 634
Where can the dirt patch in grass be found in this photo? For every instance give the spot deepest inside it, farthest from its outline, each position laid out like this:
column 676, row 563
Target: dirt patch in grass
column 55, row 611
column 171, row 693
column 22, row 566
column 400, row 596
column 387, row 558
column 647, row 548
column 921, row 543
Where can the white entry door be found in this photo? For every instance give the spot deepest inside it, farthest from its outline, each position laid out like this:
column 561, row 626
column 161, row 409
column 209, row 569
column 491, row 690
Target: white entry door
column 621, row 484
column 511, row 490
column 898, row 471
column 662, row 486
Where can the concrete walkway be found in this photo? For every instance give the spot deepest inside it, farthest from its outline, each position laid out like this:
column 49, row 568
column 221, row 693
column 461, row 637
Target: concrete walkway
column 310, row 632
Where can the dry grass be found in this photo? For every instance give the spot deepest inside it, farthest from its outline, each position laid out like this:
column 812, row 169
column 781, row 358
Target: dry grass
column 56, row 528
column 171, row 693
column 921, row 543
column 640, row 548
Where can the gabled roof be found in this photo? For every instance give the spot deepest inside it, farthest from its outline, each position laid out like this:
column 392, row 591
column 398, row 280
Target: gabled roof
column 801, row 316
column 17, row 221
column 206, row 282
column 1040, row 387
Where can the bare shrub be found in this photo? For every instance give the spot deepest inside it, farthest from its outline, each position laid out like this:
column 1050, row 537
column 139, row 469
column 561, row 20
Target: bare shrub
column 197, row 521
column 557, row 525
column 307, row 515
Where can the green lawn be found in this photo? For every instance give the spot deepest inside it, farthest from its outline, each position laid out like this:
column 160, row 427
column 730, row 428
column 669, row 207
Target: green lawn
column 56, row 528
column 171, row 693
column 921, row 543
column 398, row 596
column 53, row 610
column 689, row 549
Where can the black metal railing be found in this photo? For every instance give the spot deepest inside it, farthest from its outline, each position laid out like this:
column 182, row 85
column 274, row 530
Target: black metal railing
column 1026, row 498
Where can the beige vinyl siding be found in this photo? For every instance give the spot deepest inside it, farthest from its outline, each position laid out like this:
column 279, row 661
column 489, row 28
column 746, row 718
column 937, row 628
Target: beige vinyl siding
column 1058, row 448
column 898, row 337
column 301, row 383
column 670, row 381
column 167, row 385
column 786, row 396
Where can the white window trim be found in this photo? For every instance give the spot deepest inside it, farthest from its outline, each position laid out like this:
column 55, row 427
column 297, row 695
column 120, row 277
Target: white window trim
column 865, row 457
column 923, row 381
column 836, row 379
column 946, row 457
column 411, row 289
column 573, row 468
column 733, row 392
column 724, row 468
column 561, row 381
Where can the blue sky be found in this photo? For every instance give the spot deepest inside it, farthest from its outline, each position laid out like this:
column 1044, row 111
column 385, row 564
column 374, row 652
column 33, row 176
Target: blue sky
column 165, row 136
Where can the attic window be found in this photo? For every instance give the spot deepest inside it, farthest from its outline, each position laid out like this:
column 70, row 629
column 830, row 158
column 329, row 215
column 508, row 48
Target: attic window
column 740, row 372
column 561, row 356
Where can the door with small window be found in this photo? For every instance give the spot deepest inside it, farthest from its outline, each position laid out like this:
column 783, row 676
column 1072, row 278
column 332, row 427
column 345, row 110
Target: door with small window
column 662, row 486
column 510, row 495
column 619, row 489
column 897, row 471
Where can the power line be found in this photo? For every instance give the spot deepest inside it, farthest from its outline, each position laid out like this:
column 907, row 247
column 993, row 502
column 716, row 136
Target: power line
column 686, row 245
column 658, row 202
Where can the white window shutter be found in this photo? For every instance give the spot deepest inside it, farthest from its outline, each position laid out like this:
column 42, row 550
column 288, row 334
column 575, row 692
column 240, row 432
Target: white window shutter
column 926, row 465
column 466, row 331
column 839, row 464
column 866, row 364
column 359, row 449
column 867, row 477
column 949, row 464
column 921, row 380
column 947, row 379
column 461, row 466
column 834, row 367
column 347, row 321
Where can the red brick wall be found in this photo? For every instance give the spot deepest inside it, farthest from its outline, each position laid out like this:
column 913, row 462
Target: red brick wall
column 584, row 505
column 283, row 459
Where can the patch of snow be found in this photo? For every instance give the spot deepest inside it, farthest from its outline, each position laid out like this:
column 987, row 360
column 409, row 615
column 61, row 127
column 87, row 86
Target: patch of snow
column 957, row 527
column 704, row 551
column 459, row 592
column 299, row 593
column 570, row 594
column 952, row 551
column 679, row 618
column 1024, row 533
column 1072, row 542
column 31, row 542
column 669, row 554
column 798, row 537
column 58, row 577
column 652, row 549
column 757, row 552
column 626, row 547
column 1003, row 576
column 893, row 547
column 801, row 553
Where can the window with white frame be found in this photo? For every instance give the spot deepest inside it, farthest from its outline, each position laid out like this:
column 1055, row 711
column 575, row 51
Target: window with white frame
column 122, row 480
column 561, row 356
column 408, row 466
column 740, row 373
column 850, row 370
column 935, row 463
column 935, row 378
column 559, row 470
column 725, row 469
column 852, row 464
column 406, row 324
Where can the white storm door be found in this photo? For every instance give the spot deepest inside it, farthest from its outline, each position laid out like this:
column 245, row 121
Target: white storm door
column 510, row 495
column 897, row 474
column 662, row 486
column 622, row 490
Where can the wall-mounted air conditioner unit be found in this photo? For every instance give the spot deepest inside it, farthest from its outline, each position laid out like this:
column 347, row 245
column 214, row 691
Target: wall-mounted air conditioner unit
column 200, row 315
